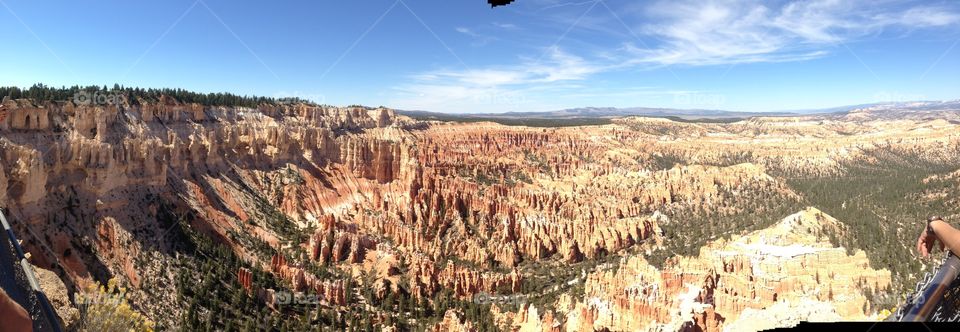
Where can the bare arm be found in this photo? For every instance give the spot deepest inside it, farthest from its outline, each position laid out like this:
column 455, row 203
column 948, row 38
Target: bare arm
column 947, row 235
column 12, row 315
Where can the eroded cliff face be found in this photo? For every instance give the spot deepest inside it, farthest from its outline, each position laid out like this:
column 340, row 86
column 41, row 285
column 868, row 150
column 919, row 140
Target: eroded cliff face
column 774, row 277
column 322, row 198
column 93, row 189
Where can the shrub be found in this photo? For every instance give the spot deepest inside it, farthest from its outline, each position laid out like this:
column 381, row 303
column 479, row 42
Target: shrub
column 106, row 309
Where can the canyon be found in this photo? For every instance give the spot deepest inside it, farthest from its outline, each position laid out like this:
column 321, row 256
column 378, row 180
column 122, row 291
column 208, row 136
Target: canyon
column 770, row 278
column 641, row 224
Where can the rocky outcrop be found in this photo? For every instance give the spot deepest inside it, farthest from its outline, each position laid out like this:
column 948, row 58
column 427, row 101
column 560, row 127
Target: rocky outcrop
column 87, row 183
column 24, row 115
column 453, row 322
column 330, row 245
column 426, row 207
column 782, row 272
column 798, row 146
column 330, row 291
column 426, row 279
column 529, row 319
column 58, row 296
column 26, row 174
column 785, row 313
column 245, row 279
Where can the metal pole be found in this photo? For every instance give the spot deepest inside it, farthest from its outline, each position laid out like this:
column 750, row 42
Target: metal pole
column 50, row 315
column 932, row 295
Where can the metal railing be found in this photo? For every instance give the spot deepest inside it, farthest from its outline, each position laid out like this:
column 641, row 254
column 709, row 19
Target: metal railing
column 937, row 296
column 18, row 280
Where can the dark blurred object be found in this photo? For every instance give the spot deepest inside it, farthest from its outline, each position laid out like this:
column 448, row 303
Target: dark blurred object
column 494, row 3
column 13, row 316
column 21, row 287
column 936, row 296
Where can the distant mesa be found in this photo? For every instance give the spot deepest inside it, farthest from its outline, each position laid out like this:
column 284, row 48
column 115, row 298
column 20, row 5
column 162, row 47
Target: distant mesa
column 602, row 115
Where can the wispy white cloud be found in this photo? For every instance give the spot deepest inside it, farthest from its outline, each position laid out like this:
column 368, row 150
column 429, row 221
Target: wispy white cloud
column 478, row 38
column 495, row 88
column 466, row 31
column 928, row 17
column 556, row 66
column 725, row 31
column 665, row 33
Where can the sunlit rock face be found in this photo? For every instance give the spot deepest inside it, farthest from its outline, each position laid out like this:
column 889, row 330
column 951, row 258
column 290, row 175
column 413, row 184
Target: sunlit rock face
column 417, row 209
column 89, row 185
column 774, row 277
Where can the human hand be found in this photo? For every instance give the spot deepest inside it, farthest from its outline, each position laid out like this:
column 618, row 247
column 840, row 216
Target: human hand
column 926, row 242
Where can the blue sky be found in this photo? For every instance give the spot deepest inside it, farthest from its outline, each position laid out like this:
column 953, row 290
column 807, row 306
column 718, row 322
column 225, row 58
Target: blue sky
column 463, row 56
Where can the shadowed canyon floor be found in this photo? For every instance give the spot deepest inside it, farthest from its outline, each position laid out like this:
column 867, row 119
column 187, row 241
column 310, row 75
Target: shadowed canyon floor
column 216, row 216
